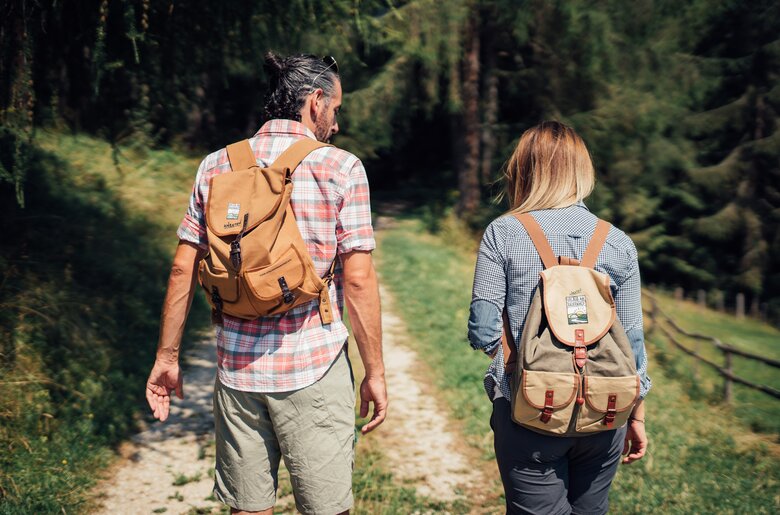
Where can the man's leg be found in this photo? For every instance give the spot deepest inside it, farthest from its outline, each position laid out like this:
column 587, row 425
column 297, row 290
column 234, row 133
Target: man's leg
column 316, row 431
column 247, row 451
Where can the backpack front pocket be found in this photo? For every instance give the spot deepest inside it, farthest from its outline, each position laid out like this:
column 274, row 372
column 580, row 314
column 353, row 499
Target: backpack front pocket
column 217, row 280
column 275, row 286
column 545, row 400
column 608, row 402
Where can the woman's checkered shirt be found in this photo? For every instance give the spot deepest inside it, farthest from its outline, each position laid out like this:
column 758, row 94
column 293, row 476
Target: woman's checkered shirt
column 507, row 274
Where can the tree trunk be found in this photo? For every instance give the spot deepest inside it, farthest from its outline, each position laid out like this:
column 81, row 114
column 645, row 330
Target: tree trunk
column 490, row 104
column 468, row 171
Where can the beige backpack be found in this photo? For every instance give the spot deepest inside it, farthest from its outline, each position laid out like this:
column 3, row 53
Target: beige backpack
column 257, row 264
column 574, row 371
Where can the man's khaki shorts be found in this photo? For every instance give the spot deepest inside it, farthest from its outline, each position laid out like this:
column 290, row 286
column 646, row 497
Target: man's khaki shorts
column 313, row 429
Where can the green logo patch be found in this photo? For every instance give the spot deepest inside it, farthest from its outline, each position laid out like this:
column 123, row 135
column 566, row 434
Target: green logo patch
column 576, row 309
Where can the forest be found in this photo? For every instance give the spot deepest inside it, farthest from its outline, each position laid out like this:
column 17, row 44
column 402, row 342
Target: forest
column 678, row 102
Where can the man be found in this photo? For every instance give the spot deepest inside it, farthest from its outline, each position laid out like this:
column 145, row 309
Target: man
column 284, row 386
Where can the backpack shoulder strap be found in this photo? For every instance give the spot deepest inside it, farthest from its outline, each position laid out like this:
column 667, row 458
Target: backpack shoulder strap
column 596, row 243
column 539, row 239
column 241, row 155
column 296, row 153
column 508, row 343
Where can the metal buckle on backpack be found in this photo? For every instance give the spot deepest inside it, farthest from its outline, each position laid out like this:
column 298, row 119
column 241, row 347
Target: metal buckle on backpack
column 286, row 293
column 580, row 351
column 548, row 406
column 235, row 246
column 609, row 419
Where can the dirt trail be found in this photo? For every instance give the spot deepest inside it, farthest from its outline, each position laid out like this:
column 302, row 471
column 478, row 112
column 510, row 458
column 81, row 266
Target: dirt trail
column 421, row 445
column 167, row 467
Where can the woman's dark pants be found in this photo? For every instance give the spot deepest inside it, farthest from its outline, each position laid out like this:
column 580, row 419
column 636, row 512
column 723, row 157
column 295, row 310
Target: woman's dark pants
column 549, row 475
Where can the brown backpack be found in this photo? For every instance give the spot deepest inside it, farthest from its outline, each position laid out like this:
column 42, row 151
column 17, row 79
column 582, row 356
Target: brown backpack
column 574, row 371
column 257, row 264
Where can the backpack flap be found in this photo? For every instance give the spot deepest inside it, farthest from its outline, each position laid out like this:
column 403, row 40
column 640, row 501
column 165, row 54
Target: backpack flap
column 578, row 304
column 256, row 192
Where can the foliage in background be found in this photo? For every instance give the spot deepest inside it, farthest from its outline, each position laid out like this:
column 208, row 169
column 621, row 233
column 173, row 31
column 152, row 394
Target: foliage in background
column 678, row 102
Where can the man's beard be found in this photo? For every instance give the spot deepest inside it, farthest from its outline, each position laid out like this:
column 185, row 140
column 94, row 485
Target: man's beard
column 322, row 128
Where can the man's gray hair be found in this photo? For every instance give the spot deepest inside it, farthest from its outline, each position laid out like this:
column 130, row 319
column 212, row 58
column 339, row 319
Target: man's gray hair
column 291, row 80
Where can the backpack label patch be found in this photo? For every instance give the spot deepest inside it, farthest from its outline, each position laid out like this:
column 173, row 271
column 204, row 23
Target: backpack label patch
column 233, row 210
column 576, row 309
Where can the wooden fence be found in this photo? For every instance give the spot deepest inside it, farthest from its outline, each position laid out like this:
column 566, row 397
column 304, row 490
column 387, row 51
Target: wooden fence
column 672, row 331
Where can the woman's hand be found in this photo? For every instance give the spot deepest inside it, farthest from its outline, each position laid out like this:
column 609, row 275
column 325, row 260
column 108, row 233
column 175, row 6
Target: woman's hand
column 635, row 444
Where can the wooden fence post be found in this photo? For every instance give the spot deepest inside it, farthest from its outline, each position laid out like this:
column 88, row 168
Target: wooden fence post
column 740, row 305
column 720, row 301
column 679, row 294
column 701, row 298
column 727, row 383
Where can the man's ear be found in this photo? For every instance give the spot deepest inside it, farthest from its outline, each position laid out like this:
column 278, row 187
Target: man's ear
column 314, row 106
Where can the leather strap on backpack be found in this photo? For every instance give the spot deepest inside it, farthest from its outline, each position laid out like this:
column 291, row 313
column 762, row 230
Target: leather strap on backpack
column 241, row 155
column 508, row 343
column 326, row 314
column 596, row 243
column 546, row 252
column 536, row 233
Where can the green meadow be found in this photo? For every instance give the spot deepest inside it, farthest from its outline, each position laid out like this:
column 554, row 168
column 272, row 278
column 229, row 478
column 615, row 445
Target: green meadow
column 703, row 457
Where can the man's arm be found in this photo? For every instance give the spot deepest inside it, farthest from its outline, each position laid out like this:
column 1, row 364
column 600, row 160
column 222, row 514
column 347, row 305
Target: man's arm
column 165, row 377
column 361, row 292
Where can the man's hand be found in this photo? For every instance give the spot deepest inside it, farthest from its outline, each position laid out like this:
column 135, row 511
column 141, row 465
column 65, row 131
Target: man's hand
column 361, row 293
column 635, row 444
column 164, row 380
column 166, row 376
column 373, row 389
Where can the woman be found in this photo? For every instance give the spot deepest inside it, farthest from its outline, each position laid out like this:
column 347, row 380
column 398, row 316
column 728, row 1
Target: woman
column 548, row 176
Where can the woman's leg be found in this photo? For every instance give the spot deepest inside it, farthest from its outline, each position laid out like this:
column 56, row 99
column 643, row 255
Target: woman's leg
column 534, row 467
column 593, row 462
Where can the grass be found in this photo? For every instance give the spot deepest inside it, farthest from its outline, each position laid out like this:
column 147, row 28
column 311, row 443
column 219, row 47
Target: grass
column 703, row 458
column 82, row 275
column 756, row 409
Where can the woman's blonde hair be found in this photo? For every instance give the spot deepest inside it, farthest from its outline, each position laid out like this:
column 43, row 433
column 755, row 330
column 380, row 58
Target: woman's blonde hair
column 550, row 168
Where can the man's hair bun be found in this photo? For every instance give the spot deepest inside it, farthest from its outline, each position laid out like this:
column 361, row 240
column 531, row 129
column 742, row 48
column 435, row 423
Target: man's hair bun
column 274, row 65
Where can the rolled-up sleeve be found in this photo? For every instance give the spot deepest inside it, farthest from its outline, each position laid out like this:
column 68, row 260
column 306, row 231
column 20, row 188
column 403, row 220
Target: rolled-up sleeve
column 353, row 221
column 628, row 302
column 489, row 291
column 193, row 225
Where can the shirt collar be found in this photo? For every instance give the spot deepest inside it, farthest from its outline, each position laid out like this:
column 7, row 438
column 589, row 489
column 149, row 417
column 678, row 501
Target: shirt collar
column 282, row 126
column 582, row 205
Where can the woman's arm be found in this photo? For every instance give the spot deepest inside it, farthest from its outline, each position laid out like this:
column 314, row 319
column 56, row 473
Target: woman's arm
column 628, row 301
column 489, row 291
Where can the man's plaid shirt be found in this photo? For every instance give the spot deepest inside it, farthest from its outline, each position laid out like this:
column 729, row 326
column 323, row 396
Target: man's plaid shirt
column 331, row 204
